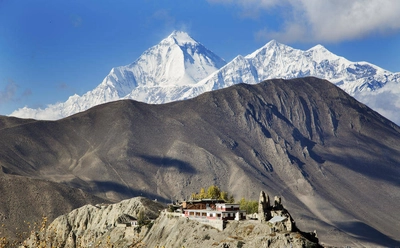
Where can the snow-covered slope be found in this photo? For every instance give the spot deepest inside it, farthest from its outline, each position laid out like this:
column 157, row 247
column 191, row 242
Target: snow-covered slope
column 275, row 60
column 161, row 74
column 180, row 68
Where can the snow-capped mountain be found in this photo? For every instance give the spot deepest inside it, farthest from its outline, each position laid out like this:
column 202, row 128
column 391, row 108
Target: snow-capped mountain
column 275, row 60
column 180, row 68
column 161, row 74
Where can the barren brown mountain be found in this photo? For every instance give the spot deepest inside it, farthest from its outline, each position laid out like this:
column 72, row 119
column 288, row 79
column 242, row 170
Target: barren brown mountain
column 334, row 161
column 24, row 201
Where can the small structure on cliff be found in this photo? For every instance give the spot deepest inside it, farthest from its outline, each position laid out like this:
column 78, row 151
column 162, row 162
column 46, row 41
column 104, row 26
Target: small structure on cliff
column 126, row 220
column 277, row 217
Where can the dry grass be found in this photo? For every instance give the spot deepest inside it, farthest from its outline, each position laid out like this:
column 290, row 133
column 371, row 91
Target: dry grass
column 249, row 229
column 236, row 237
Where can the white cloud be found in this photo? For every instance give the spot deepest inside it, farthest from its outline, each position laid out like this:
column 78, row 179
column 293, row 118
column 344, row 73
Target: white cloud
column 51, row 112
column 385, row 101
column 325, row 20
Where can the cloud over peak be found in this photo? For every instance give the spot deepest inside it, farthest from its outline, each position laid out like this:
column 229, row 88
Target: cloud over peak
column 325, row 21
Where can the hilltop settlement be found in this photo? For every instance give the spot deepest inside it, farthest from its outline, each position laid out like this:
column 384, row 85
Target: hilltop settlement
column 140, row 222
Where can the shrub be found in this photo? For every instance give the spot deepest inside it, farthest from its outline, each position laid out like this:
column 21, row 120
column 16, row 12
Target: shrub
column 240, row 244
column 141, row 219
column 206, row 237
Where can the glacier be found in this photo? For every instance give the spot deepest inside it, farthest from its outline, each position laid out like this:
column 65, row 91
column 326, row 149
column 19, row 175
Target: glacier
column 180, row 68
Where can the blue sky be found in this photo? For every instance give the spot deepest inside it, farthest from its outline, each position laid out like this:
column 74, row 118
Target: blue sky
column 50, row 50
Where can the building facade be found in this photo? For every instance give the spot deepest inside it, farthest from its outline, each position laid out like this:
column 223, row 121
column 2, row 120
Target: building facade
column 212, row 209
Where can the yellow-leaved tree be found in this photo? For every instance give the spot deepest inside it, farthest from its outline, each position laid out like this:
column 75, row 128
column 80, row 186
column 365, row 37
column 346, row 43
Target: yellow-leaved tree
column 213, row 192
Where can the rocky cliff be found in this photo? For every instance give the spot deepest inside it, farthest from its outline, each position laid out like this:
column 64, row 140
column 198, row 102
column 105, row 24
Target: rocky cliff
column 174, row 231
column 97, row 226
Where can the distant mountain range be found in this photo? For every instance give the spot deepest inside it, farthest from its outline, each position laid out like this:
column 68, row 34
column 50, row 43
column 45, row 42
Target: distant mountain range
column 180, row 68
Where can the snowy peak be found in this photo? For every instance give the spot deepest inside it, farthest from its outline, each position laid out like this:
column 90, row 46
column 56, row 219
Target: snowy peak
column 271, row 47
column 177, row 60
column 318, row 47
column 193, row 50
column 319, row 53
column 161, row 74
column 181, row 38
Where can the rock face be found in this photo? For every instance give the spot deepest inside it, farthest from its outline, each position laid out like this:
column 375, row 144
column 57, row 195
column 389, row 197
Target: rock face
column 263, row 207
column 276, row 215
column 96, row 226
column 303, row 139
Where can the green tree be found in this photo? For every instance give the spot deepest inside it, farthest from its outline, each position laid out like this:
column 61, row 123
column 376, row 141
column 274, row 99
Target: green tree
column 248, row 205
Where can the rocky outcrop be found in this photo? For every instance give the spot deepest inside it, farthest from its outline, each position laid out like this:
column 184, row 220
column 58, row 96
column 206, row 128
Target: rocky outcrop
column 263, row 207
column 277, row 217
column 99, row 224
column 173, row 231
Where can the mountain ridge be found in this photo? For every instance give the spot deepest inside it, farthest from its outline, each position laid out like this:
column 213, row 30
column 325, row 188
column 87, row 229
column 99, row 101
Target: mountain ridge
column 159, row 77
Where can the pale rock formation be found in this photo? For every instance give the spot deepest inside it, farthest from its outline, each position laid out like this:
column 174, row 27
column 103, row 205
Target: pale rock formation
column 261, row 207
column 89, row 225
